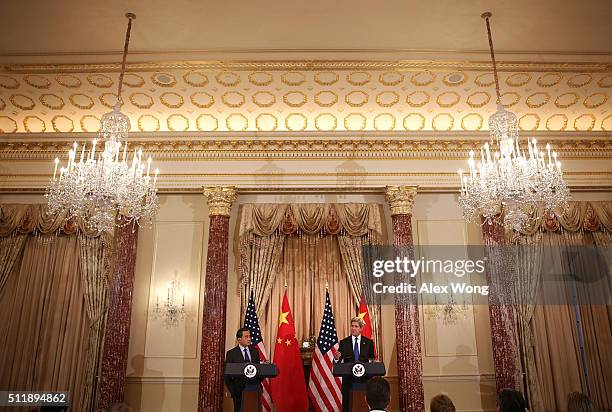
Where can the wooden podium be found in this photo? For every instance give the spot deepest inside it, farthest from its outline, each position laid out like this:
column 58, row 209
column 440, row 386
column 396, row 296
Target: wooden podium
column 358, row 374
column 253, row 373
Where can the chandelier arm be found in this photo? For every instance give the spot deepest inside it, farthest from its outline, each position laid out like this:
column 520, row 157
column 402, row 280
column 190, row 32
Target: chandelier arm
column 487, row 15
column 130, row 17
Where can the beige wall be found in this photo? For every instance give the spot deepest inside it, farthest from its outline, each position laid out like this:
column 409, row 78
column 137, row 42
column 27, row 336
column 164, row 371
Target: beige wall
column 163, row 365
column 457, row 359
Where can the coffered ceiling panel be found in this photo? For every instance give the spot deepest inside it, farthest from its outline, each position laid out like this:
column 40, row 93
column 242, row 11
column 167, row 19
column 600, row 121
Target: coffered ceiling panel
column 295, row 97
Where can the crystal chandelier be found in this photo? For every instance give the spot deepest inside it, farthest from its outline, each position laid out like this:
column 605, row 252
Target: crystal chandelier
column 506, row 178
column 105, row 188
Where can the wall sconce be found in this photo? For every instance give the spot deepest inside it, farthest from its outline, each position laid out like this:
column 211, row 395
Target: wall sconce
column 450, row 312
column 172, row 308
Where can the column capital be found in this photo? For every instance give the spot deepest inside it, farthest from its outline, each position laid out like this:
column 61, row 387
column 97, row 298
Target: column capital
column 220, row 199
column 400, row 199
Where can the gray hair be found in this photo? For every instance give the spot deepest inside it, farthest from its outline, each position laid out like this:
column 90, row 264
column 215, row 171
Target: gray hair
column 359, row 321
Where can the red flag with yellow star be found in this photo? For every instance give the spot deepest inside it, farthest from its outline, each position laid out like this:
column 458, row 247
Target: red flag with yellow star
column 289, row 387
column 365, row 315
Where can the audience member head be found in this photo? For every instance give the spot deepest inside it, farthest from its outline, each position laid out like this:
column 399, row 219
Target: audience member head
column 378, row 393
column 579, row 402
column 510, row 400
column 118, row 407
column 441, row 403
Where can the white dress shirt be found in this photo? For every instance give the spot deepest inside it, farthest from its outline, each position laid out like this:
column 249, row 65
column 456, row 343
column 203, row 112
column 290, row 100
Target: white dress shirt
column 242, row 348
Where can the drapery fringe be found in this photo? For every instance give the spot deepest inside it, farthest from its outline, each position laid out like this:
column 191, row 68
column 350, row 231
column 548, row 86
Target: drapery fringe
column 588, row 216
column 35, row 219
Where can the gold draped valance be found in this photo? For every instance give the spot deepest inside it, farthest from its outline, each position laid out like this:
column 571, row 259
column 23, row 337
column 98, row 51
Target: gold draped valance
column 354, row 219
column 589, row 216
column 34, row 218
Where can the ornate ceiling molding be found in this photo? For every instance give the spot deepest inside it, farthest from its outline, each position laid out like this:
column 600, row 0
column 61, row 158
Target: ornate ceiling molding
column 311, row 65
column 189, row 147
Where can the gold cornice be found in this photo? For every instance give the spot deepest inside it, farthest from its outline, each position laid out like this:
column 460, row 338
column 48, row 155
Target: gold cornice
column 456, row 135
column 220, row 199
column 425, row 146
column 312, row 65
column 308, row 50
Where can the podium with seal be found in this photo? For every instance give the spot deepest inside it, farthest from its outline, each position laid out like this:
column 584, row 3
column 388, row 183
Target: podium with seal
column 357, row 374
column 253, row 373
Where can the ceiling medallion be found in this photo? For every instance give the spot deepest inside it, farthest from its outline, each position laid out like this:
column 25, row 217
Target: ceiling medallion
column 37, row 81
column 68, row 80
column 163, row 79
column 455, row 79
column 81, row 101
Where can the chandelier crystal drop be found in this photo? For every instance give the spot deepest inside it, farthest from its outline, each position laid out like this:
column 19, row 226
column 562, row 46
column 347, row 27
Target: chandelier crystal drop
column 106, row 184
column 505, row 178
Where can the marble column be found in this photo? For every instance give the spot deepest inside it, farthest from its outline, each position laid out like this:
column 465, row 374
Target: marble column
column 407, row 332
column 504, row 337
column 210, row 393
column 118, row 319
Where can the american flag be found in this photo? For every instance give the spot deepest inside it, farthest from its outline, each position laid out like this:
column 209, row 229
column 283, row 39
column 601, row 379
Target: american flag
column 324, row 388
column 251, row 322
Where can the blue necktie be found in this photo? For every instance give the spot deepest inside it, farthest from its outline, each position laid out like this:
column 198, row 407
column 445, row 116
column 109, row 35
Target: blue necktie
column 356, row 350
column 246, row 355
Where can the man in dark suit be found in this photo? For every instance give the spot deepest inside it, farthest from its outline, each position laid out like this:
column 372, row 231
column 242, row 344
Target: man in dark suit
column 242, row 353
column 354, row 348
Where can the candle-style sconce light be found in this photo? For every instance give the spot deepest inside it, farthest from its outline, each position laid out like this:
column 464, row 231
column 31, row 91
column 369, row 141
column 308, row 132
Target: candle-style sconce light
column 170, row 305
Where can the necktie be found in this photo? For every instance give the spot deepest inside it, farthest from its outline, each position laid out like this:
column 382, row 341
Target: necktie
column 247, row 358
column 356, row 350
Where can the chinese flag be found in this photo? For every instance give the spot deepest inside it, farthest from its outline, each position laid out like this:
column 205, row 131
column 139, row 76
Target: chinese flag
column 365, row 315
column 289, row 387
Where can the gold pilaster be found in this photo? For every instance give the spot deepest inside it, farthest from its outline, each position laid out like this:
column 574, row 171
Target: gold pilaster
column 220, row 199
column 400, row 199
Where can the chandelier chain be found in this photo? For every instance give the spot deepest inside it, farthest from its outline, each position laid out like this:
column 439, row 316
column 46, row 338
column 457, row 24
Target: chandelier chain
column 126, row 45
column 487, row 16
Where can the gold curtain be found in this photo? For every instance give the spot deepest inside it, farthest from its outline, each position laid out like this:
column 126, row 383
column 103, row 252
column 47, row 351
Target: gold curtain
column 43, row 323
column 94, row 267
column 307, row 245
column 555, row 367
column 597, row 322
column 264, row 254
column 64, row 276
column 309, row 263
column 528, row 273
column 10, row 253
